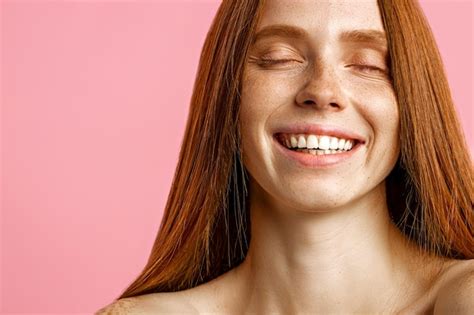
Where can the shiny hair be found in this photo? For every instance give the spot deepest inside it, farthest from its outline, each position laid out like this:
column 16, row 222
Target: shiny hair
column 205, row 229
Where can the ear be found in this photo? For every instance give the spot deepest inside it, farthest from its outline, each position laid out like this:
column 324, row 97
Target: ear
column 456, row 296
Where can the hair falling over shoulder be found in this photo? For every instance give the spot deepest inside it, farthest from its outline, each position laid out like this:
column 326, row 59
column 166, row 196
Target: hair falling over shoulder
column 205, row 227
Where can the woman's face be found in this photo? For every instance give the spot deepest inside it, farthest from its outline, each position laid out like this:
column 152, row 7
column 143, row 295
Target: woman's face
column 317, row 76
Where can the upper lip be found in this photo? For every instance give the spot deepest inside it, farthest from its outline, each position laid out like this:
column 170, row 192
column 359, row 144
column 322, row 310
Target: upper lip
column 320, row 129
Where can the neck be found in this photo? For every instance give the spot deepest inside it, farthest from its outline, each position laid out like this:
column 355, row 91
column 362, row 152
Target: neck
column 323, row 262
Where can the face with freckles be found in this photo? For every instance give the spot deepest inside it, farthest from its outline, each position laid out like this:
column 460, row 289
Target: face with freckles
column 318, row 63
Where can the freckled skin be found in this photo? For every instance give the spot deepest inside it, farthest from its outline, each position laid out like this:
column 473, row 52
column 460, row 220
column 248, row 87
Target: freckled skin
column 275, row 94
column 322, row 241
column 322, row 238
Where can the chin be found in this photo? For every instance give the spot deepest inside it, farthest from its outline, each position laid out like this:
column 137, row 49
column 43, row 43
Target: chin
column 317, row 201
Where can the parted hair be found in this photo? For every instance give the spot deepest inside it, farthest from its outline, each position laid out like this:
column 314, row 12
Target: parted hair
column 205, row 228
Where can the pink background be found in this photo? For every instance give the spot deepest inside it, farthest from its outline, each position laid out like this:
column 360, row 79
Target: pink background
column 95, row 96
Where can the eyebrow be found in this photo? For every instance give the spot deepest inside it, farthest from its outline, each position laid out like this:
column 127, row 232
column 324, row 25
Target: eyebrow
column 367, row 36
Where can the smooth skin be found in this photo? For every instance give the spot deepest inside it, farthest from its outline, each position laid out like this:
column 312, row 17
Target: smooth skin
column 322, row 240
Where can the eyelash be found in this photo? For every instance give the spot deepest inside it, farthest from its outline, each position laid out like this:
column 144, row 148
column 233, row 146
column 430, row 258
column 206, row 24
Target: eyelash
column 274, row 61
column 371, row 68
column 280, row 61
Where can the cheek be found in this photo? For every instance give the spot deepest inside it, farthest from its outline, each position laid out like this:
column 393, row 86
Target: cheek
column 387, row 120
column 262, row 97
column 266, row 95
column 378, row 104
column 263, row 93
column 379, row 109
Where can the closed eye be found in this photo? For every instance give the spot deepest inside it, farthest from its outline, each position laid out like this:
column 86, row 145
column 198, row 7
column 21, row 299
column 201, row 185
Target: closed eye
column 367, row 68
column 266, row 61
column 364, row 68
column 277, row 61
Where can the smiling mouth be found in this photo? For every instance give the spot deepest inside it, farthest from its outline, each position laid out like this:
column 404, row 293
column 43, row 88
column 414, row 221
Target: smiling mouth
column 316, row 144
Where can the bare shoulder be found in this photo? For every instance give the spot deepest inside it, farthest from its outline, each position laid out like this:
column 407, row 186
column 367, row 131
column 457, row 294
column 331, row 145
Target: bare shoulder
column 455, row 295
column 156, row 303
column 213, row 297
column 119, row 307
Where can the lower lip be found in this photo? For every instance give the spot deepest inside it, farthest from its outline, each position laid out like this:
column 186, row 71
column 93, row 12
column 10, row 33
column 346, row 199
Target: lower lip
column 316, row 161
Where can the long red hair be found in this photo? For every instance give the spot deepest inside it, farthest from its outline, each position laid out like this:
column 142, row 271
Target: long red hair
column 205, row 229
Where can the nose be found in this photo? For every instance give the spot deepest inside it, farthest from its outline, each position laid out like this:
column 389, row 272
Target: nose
column 322, row 90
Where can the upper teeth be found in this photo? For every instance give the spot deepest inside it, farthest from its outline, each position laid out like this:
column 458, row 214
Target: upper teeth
column 303, row 141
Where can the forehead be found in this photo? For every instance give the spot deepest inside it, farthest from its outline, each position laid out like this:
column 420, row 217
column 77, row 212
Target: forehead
column 323, row 18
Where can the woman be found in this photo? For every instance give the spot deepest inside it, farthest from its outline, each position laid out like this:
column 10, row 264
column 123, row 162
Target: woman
column 323, row 170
